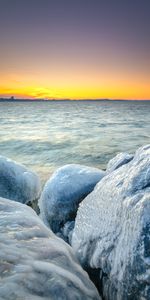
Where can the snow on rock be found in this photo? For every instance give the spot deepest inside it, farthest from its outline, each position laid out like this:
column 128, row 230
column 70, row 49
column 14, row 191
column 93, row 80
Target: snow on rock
column 118, row 161
column 34, row 263
column 112, row 230
column 17, row 183
column 64, row 191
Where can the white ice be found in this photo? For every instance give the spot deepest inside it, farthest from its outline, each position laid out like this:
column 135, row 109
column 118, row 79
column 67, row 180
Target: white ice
column 112, row 229
column 119, row 160
column 18, row 183
column 64, row 191
column 34, row 263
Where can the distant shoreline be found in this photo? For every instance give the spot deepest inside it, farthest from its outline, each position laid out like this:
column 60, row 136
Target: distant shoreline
column 70, row 100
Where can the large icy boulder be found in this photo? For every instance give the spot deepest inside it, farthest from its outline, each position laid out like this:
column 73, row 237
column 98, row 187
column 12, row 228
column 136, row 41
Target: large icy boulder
column 112, row 230
column 34, row 263
column 119, row 160
column 17, row 183
column 62, row 194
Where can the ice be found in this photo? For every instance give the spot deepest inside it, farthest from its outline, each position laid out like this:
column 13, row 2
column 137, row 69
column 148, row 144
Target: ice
column 112, row 230
column 119, row 160
column 34, row 263
column 18, row 183
column 63, row 192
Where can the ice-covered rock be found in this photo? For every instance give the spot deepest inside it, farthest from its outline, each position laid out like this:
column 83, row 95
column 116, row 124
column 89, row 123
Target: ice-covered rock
column 118, row 161
column 34, row 263
column 112, row 230
column 66, row 231
column 64, row 191
column 18, row 183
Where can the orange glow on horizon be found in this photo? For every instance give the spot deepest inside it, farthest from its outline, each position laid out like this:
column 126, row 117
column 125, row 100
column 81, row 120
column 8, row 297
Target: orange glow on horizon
column 98, row 89
column 76, row 73
column 85, row 79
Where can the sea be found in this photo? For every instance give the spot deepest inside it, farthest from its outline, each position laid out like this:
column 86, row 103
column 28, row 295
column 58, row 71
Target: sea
column 46, row 135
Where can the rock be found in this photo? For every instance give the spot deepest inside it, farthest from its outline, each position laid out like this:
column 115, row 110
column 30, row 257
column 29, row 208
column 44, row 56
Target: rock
column 118, row 161
column 64, row 191
column 34, row 263
column 18, row 183
column 112, row 230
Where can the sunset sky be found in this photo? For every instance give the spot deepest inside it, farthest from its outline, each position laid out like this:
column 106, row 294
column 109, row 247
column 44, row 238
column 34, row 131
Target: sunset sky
column 75, row 49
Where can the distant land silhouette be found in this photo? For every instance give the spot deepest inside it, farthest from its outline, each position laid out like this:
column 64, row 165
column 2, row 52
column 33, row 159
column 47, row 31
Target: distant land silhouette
column 13, row 99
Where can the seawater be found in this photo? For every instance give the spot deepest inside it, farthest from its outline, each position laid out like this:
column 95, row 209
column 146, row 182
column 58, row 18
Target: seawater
column 46, row 135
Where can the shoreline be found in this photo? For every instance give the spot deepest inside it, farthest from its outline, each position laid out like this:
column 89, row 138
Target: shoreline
column 73, row 100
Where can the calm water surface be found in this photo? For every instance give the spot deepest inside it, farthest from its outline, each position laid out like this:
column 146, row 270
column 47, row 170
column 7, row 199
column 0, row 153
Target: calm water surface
column 46, row 135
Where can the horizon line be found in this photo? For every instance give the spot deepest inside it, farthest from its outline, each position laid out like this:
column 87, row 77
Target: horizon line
column 67, row 99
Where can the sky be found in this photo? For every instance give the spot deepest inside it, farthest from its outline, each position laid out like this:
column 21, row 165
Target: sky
column 75, row 49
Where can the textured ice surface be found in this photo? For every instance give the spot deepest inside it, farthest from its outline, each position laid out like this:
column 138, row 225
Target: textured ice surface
column 34, row 263
column 64, row 191
column 118, row 161
column 17, row 183
column 112, row 229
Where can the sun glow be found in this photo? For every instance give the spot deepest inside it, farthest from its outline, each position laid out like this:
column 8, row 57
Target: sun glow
column 85, row 88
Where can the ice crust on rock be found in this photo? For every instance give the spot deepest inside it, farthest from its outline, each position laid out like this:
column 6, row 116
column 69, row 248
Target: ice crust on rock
column 18, row 183
column 63, row 192
column 112, row 230
column 119, row 160
column 34, row 263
